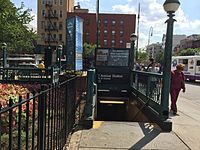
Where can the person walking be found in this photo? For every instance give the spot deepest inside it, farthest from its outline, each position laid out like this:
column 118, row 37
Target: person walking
column 42, row 67
column 152, row 62
column 177, row 83
column 41, row 64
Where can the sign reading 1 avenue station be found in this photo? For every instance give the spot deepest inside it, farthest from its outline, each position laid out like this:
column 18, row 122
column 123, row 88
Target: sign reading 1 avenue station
column 112, row 57
column 112, row 65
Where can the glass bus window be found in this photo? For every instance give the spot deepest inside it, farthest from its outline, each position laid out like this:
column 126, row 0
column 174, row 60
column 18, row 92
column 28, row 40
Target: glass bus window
column 191, row 67
column 185, row 62
column 198, row 62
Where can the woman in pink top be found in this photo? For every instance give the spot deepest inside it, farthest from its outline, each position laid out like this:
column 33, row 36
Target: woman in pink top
column 177, row 83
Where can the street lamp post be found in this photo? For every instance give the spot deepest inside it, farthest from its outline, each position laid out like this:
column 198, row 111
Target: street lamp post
column 59, row 57
column 170, row 6
column 133, row 38
column 4, row 47
column 97, row 24
column 150, row 35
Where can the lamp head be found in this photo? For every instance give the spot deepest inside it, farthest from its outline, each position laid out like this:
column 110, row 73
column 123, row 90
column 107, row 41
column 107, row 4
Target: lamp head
column 60, row 46
column 133, row 37
column 171, row 5
column 4, row 45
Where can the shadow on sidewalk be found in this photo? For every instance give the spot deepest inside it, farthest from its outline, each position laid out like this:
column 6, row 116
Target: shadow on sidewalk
column 150, row 132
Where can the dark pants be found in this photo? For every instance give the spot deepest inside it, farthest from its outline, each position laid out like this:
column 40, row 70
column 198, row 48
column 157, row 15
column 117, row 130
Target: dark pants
column 174, row 96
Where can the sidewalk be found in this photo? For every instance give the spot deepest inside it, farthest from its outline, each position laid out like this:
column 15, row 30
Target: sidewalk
column 109, row 135
column 186, row 124
column 124, row 136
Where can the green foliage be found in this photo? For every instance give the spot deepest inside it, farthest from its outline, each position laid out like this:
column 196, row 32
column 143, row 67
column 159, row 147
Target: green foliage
column 88, row 54
column 13, row 27
column 189, row 52
column 143, row 56
column 89, row 50
column 159, row 57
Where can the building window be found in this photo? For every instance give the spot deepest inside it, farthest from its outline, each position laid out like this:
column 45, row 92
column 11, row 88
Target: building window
column 105, row 31
column 113, row 22
column 113, row 43
column 61, row 14
column 54, row 36
column 50, row 2
column 60, row 26
column 121, row 33
column 121, row 42
column 60, row 37
column 55, row 24
column 55, row 2
column 54, row 12
column 113, row 32
column 61, row 2
column 43, row 12
column 43, row 2
column 106, row 22
column 121, row 22
column 105, row 42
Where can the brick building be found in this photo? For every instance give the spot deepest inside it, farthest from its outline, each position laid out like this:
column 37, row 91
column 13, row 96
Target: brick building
column 114, row 29
column 192, row 41
column 51, row 22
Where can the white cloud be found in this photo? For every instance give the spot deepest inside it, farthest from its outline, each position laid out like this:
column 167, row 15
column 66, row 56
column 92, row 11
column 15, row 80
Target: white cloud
column 153, row 14
column 86, row 4
column 33, row 24
column 123, row 9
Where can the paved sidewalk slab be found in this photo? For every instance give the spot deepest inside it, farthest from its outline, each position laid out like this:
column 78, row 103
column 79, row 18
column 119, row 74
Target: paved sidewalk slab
column 187, row 123
column 126, row 135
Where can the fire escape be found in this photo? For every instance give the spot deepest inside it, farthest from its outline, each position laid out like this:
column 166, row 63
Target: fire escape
column 51, row 26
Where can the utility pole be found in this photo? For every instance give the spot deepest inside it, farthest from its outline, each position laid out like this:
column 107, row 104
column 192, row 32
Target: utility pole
column 97, row 23
column 137, row 49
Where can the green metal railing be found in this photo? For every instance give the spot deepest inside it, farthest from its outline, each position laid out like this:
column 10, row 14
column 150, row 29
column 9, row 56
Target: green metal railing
column 29, row 75
column 40, row 120
column 91, row 99
column 147, row 87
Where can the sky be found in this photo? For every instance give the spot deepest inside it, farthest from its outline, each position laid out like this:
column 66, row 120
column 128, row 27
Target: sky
column 152, row 15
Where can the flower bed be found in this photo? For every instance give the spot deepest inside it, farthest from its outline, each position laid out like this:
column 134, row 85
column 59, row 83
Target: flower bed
column 11, row 92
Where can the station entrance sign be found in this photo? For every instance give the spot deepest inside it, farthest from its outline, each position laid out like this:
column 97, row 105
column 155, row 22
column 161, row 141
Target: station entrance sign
column 112, row 69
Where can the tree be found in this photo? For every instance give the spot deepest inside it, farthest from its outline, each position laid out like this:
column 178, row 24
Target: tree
column 188, row 52
column 13, row 27
column 89, row 50
column 143, row 56
column 160, row 57
column 88, row 54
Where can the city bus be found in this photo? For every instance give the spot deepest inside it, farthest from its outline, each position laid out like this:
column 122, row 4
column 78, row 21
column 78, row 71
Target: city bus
column 192, row 66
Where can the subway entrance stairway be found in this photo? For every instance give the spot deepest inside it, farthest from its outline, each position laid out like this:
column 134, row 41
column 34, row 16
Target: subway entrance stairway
column 122, row 129
column 143, row 134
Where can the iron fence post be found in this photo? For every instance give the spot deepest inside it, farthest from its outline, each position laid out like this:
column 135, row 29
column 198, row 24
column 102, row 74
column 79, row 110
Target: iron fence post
column 41, row 117
column 89, row 98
